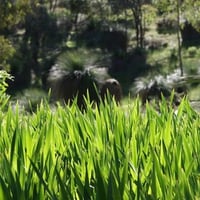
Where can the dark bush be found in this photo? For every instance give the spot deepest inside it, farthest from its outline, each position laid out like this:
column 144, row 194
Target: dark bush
column 166, row 24
column 190, row 36
column 106, row 40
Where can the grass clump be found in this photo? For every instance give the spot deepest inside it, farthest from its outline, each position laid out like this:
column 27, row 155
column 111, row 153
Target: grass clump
column 107, row 152
column 78, row 60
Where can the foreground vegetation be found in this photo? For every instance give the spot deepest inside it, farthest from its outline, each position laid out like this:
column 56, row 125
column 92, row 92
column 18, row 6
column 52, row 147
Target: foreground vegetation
column 109, row 152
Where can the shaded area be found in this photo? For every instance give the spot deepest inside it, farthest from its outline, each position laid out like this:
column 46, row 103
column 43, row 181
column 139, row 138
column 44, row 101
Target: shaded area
column 190, row 36
column 126, row 67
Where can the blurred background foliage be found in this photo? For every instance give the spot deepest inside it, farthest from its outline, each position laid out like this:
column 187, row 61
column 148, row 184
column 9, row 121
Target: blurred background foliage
column 130, row 39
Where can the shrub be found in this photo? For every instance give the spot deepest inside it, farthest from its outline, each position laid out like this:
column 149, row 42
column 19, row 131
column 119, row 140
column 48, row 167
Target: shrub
column 192, row 51
column 7, row 51
column 4, row 76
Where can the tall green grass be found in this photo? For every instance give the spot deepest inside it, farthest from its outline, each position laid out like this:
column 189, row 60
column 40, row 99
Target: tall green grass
column 107, row 152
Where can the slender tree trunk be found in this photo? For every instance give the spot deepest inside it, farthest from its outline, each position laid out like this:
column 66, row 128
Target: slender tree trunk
column 180, row 62
column 141, row 28
column 137, row 14
column 126, row 27
column 137, row 28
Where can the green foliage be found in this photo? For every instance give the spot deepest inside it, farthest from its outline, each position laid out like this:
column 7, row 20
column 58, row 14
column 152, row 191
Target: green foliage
column 6, row 52
column 78, row 59
column 188, row 8
column 12, row 12
column 79, row 6
column 164, row 6
column 191, row 12
column 71, row 61
column 28, row 99
column 192, row 51
column 149, row 14
column 107, row 152
column 167, row 23
column 4, row 76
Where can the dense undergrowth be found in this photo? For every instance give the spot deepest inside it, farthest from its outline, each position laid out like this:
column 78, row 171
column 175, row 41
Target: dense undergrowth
column 107, row 152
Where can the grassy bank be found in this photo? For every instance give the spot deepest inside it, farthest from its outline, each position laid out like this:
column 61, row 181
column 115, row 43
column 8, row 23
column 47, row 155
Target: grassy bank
column 103, row 153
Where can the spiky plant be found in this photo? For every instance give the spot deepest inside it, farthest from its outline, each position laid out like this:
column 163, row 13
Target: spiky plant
column 148, row 88
column 77, row 60
column 73, row 76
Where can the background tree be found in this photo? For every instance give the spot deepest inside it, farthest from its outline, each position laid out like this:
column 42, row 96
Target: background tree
column 178, row 10
column 191, row 11
column 37, row 45
column 173, row 7
column 187, row 12
column 137, row 9
column 39, row 37
column 11, row 14
column 135, row 6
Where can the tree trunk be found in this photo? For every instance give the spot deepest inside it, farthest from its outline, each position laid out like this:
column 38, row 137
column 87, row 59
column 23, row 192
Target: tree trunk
column 141, row 28
column 137, row 14
column 136, row 21
column 180, row 63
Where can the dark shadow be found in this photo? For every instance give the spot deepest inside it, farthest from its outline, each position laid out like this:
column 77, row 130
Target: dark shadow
column 97, row 35
column 36, row 50
column 190, row 36
column 166, row 25
column 126, row 67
